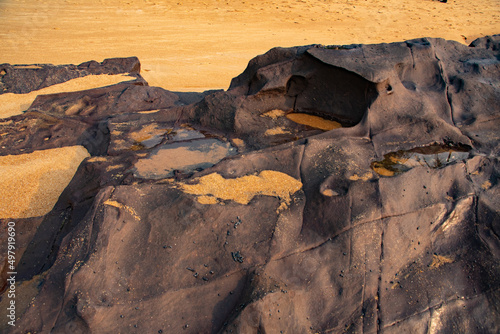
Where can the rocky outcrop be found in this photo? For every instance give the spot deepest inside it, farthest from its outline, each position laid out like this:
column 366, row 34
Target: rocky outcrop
column 21, row 79
column 389, row 222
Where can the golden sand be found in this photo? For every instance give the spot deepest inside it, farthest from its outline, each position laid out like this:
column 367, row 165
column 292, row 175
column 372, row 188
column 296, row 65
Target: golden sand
column 113, row 167
column 365, row 177
column 148, row 132
column 123, row 207
column 439, row 260
column 207, row 200
column 274, row 114
column 276, row 131
column 243, row 189
column 28, row 67
column 30, row 184
column 97, row 159
column 300, row 118
column 14, row 104
column 381, row 170
column 486, row 185
column 238, row 142
column 148, row 111
column 201, row 44
column 329, row 193
column 313, row 121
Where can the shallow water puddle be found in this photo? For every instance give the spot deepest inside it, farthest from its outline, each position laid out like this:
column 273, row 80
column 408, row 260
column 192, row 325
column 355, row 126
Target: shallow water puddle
column 313, row 121
column 434, row 156
column 213, row 187
column 182, row 156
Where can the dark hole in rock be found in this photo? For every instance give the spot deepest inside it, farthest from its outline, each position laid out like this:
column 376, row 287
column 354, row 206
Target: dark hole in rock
column 432, row 156
column 331, row 92
column 296, row 85
column 389, row 89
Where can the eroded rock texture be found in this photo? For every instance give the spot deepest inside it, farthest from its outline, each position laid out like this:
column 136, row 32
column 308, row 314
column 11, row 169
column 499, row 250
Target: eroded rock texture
column 388, row 224
column 22, row 79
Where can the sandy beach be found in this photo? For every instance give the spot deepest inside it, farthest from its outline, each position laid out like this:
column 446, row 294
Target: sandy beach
column 195, row 45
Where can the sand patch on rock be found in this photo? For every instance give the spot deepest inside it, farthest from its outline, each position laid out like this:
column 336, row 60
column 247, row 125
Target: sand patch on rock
column 30, row 184
column 274, row 114
column 440, row 260
column 243, row 189
column 124, row 207
column 276, row 131
column 147, row 132
column 313, row 121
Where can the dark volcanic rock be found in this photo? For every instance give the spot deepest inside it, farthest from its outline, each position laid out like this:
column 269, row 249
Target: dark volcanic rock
column 394, row 226
column 22, row 79
column 82, row 117
column 95, row 104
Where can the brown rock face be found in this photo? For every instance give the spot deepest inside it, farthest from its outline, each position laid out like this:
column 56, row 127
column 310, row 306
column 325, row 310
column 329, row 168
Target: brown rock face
column 216, row 213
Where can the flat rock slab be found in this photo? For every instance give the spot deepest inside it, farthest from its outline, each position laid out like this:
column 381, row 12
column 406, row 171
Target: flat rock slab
column 216, row 212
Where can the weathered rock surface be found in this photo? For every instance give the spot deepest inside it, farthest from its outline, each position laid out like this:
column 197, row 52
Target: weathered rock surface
column 22, row 79
column 388, row 224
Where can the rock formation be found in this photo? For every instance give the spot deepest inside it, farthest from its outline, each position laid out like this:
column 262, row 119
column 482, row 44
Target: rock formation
column 216, row 212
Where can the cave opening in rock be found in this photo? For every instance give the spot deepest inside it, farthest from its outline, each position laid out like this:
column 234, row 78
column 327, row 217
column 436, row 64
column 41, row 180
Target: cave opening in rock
column 330, row 92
